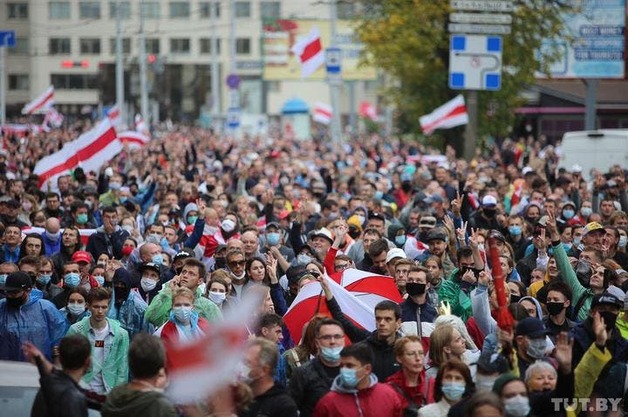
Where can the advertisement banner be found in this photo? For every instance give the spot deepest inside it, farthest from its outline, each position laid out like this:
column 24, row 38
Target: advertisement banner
column 280, row 63
column 596, row 50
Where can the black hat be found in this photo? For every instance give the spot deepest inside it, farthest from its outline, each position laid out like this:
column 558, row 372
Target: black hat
column 183, row 254
column 606, row 299
column 531, row 327
column 436, row 234
column 294, row 273
column 150, row 265
column 17, row 281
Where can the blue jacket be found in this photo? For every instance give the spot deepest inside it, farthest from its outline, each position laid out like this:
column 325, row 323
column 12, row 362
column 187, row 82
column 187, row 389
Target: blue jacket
column 426, row 311
column 51, row 247
column 38, row 321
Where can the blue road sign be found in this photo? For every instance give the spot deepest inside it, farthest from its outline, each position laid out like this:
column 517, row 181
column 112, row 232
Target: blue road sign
column 333, row 59
column 7, row 38
column 475, row 62
column 233, row 118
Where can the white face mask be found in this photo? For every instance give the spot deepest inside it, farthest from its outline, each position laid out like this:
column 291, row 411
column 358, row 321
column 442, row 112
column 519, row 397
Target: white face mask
column 217, row 297
column 76, row 309
column 228, row 225
column 148, row 284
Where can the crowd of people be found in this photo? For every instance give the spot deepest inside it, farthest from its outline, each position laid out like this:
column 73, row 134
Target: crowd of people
column 104, row 273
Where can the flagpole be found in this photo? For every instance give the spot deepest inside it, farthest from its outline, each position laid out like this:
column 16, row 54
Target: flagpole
column 119, row 65
column 215, row 76
column 3, row 86
column 471, row 131
column 334, row 85
column 143, row 78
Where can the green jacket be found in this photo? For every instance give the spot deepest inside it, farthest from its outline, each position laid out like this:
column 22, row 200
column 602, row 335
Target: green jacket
column 158, row 311
column 115, row 368
column 569, row 276
column 451, row 291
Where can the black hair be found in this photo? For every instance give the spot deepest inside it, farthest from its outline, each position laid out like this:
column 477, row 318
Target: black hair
column 360, row 351
column 147, row 356
column 74, row 351
column 389, row 305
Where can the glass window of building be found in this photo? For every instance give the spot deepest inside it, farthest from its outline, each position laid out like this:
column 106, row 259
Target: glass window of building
column 89, row 9
column 58, row 10
column 58, row 46
column 179, row 10
column 90, row 46
column 19, row 82
column 243, row 46
column 204, row 11
column 17, row 10
column 242, row 9
column 270, row 9
column 125, row 9
column 151, row 9
column 180, row 46
column 206, row 46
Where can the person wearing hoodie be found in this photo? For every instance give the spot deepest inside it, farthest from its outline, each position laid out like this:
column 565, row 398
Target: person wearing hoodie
column 143, row 396
column 110, row 237
column 356, row 390
column 26, row 317
column 128, row 306
column 52, row 236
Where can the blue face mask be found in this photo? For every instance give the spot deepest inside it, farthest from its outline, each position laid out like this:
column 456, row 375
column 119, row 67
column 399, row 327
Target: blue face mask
column 568, row 214
column 400, row 240
column 514, row 230
column 272, row 239
column 3, row 279
column 331, row 354
column 379, row 194
column 124, row 199
column 43, row 279
column 100, row 280
column 453, row 390
column 192, row 219
column 72, row 280
column 349, row 377
column 157, row 259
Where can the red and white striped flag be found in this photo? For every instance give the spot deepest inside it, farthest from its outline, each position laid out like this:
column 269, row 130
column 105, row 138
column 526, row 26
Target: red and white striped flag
column 42, row 103
column 140, row 125
column 367, row 110
column 84, row 233
column 90, row 151
column 134, row 140
column 322, row 113
column 200, row 367
column 114, row 115
column 451, row 114
column 53, row 118
column 310, row 52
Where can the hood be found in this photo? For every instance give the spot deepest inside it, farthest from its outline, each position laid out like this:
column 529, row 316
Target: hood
column 539, row 312
column 338, row 386
column 393, row 229
column 35, row 296
column 124, row 402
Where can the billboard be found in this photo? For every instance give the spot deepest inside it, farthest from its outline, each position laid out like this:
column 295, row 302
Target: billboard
column 596, row 49
column 280, row 35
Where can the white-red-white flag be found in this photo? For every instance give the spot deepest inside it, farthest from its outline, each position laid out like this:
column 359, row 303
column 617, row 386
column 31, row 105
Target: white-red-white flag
column 114, row 115
column 133, row 139
column 53, row 118
column 90, row 151
column 310, row 52
column 451, row 114
column 140, row 125
column 322, row 113
column 367, row 110
column 200, row 367
column 42, row 103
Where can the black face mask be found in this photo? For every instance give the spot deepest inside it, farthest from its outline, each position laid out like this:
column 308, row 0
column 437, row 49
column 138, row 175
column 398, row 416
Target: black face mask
column 514, row 299
column 414, row 289
column 554, row 308
column 609, row 319
column 15, row 302
column 490, row 213
column 406, row 186
column 583, row 272
column 221, row 263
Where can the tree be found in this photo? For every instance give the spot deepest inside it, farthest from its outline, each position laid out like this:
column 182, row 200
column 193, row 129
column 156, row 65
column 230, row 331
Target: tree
column 409, row 40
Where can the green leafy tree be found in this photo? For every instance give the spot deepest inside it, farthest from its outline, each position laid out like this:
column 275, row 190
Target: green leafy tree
column 409, row 40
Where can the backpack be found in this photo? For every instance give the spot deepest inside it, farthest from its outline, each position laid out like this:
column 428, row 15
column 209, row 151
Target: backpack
column 412, row 410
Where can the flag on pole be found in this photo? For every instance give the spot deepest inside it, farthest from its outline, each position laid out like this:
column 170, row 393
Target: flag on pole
column 451, row 114
column 53, row 118
column 42, row 103
column 90, row 151
column 114, row 115
column 134, row 140
column 367, row 110
column 140, row 125
column 322, row 113
column 309, row 51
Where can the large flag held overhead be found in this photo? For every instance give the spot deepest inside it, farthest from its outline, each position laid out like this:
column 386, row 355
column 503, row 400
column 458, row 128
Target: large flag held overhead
column 322, row 113
column 310, row 52
column 90, row 151
column 134, row 140
column 357, row 295
column 42, row 103
column 451, row 114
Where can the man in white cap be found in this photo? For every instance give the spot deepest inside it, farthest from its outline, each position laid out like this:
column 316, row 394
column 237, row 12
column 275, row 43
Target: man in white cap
column 485, row 217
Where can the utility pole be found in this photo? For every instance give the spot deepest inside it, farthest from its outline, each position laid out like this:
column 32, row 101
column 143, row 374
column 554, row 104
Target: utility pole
column 214, row 64
column 3, row 86
column 143, row 80
column 334, row 84
column 119, row 65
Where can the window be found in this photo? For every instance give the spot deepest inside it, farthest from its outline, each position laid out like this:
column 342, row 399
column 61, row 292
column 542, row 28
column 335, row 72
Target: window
column 59, row 46
column 89, row 10
column 179, row 9
column 242, row 9
column 18, row 82
column 150, row 9
column 243, row 46
column 125, row 9
column 17, row 10
column 206, row 46
column 270, row 9
column 74, row 81
column 180, row 46
column 21, row 47
column 126, row 46
column 90, row 46
column 152, row 46
column 58, row 10
column 205, row 12
column 345, row 10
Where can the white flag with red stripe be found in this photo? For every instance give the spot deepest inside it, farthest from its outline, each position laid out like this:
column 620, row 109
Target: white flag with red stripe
column 90, row 151
column 200, row 367
column 140, row 125
column 42, row 103
column 309, row 50
column 134, row 140
column 451, row 114
column 53, row 118
column 84, row 233
column 322, row 113
column 114, row 115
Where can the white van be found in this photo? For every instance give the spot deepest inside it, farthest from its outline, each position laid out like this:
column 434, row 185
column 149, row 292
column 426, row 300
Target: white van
column 598, row 149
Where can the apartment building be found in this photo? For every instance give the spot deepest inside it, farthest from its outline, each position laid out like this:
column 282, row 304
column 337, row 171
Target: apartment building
column 71, row 45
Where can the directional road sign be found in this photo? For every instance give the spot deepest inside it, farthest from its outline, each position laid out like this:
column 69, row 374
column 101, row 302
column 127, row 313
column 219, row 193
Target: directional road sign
column 233, row 118
column 483, row 29
column 333, row 60
column 483, row 5
column 7, row 38
column 475, row 62
column 486, row 18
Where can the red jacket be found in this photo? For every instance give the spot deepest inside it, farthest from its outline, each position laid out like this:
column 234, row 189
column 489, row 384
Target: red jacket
column 418, row 394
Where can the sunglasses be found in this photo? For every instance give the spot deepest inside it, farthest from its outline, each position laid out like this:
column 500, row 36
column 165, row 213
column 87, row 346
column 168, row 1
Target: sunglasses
column 237, row 263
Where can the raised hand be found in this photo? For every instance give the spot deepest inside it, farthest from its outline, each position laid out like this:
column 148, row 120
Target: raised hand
column 474, row 239
column 271, row 267
column 564, row 351
column 456, row 204
column 484, row 278
column 200, row 203
column 461, row 232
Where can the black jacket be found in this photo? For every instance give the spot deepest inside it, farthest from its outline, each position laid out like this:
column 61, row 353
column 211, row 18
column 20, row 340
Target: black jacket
column 59, row 396
column 309, row 384
column 426, row 311
column 273, row 403
column 100, row 242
